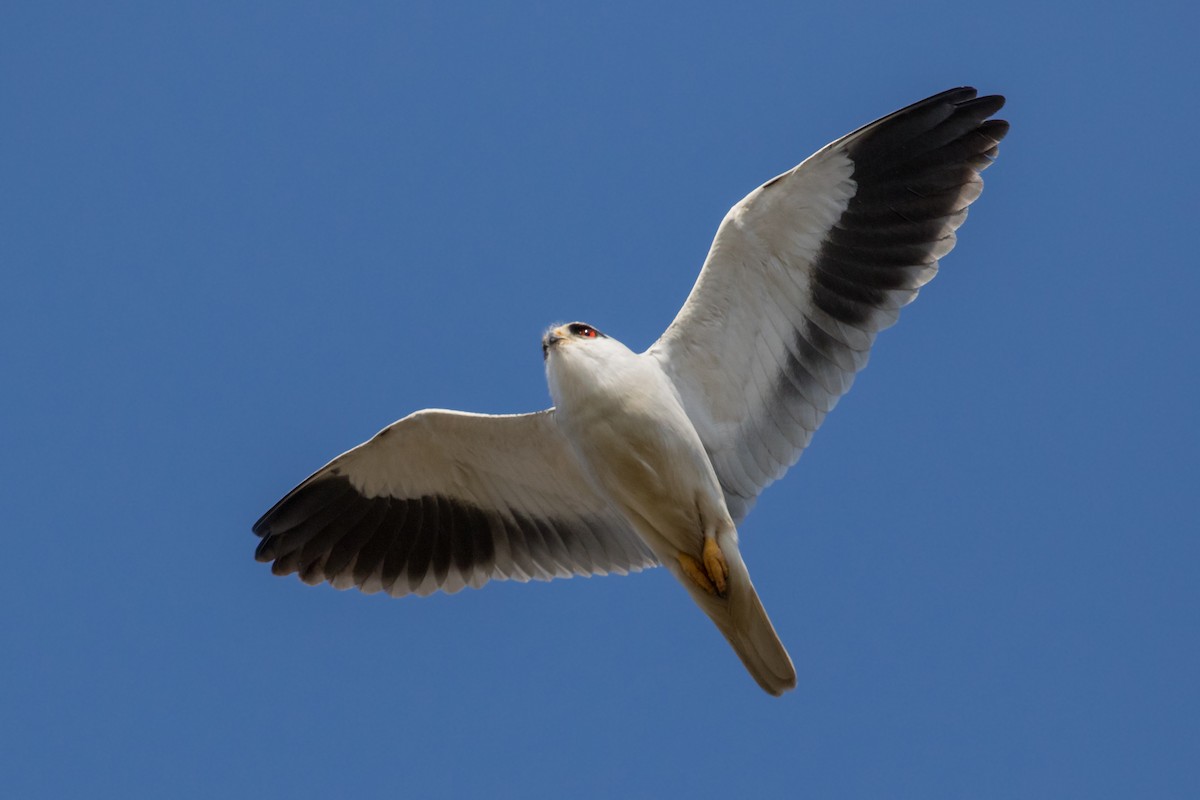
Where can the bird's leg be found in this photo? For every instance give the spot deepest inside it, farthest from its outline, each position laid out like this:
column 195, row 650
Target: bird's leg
column 709, row 572
column 714, row 564
column 693, row 569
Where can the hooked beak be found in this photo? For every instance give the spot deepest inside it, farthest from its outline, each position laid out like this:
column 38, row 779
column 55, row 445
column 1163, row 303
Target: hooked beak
column 549, row 340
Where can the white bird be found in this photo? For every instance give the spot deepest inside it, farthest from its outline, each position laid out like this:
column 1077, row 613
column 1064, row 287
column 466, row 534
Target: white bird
column 655, row 458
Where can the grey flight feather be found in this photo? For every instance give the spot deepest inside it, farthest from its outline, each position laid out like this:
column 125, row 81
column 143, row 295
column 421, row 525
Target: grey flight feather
column 807, row 269
column 442, row 500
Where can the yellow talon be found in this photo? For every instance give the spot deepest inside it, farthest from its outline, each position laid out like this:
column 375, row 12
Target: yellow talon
column 696, row 572
column 714, row 564
column 711, row 575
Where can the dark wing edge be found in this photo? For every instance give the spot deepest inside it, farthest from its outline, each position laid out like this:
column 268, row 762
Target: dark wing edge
column 440, row 501
column 911, row 177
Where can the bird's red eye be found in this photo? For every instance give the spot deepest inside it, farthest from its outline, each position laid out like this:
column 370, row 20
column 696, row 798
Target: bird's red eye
column 586, row 331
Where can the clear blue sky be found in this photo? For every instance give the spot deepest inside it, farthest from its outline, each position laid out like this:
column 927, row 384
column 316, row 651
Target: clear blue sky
column 235, row 242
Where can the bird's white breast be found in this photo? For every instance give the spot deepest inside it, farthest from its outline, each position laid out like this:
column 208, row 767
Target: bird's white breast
column 626, row 424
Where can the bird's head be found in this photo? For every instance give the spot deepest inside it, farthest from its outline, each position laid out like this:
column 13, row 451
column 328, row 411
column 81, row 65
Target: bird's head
column 581, row 361
column 571, row 334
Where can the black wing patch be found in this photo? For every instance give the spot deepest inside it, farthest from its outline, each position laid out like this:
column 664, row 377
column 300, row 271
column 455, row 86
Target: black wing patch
column 915, row 170
column 326, row 530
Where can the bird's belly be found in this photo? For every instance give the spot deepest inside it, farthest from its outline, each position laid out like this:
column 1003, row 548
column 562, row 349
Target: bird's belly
column 655, row 472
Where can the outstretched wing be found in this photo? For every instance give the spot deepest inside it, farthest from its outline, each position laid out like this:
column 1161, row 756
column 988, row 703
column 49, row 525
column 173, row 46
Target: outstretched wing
column 806, row 269
column 443, row 500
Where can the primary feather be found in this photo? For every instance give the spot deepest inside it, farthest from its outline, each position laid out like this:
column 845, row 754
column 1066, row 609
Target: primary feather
column 807, row 269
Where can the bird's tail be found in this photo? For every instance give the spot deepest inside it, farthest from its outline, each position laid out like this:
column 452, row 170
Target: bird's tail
column 740, row 616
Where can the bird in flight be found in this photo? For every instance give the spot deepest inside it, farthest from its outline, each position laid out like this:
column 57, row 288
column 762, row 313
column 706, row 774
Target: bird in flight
column 654, row 458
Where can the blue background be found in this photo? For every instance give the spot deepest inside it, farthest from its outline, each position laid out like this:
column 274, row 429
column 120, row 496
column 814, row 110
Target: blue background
column 238, row 239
